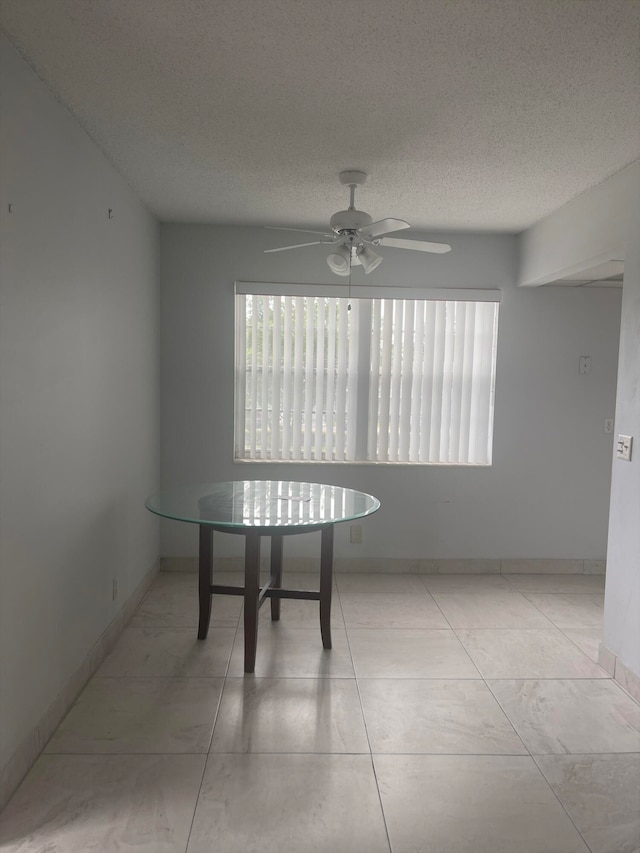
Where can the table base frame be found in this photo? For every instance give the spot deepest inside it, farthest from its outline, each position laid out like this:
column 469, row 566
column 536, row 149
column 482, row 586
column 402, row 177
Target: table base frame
column 254, row 595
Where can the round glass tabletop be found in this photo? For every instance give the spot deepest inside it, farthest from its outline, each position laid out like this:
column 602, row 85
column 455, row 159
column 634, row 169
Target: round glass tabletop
column 263, row 503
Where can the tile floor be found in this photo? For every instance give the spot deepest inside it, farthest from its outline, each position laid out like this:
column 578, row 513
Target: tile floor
column 455, row 713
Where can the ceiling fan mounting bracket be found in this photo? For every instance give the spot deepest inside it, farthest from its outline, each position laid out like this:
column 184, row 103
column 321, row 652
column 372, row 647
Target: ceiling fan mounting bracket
column 353, row 178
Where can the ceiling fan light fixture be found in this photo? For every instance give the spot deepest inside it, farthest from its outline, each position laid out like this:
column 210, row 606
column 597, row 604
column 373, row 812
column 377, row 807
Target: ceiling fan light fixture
column 368, row 258
column 339, row 261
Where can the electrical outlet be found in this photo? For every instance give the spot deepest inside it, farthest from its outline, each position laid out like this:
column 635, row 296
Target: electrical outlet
column 584, row 365
column 355, row 534
column 114, row 590
column 608, row 424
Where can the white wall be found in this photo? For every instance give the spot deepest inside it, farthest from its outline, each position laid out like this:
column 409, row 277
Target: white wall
column 589, row 230
column 79, row 437
column 604, row 222
column 547, row 493
column 622, row 599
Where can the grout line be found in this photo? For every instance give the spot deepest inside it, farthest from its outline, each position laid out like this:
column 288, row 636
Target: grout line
column 196, row 801
column 366, row 730
column 507, row 717
column 384, row 817
column 557, row 796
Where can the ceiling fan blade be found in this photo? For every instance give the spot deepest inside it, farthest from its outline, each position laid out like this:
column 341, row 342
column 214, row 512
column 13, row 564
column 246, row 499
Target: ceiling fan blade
column 383, row 226
column 418, row 245
column 300, row 230
column 297, row 246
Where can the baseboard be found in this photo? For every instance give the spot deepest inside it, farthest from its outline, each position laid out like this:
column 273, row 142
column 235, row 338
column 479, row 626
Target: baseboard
column 392, row 565
column 25, row 755
column 627, row 679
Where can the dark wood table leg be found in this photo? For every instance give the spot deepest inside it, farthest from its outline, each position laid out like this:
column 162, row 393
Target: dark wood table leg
column 326, row 584
column 205, row 579
column 276, row 574
column 251, row 593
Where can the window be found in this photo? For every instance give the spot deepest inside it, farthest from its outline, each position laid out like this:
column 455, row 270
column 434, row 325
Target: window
column 391, row 379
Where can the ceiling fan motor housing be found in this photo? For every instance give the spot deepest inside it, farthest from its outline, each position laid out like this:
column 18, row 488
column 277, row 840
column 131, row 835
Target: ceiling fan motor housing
column 349, row 220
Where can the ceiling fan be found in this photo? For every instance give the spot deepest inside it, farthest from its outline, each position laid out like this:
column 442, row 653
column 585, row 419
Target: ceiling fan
column 354, row 233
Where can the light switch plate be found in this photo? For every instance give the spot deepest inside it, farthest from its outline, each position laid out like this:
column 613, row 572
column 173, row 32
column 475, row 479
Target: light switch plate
column 623, row 450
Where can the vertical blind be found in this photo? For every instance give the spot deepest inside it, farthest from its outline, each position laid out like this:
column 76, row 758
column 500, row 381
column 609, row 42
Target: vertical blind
column 432, row 381
column 295, row 377
column 386, row 380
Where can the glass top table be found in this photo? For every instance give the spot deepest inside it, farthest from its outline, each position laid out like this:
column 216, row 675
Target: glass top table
column 255, row 508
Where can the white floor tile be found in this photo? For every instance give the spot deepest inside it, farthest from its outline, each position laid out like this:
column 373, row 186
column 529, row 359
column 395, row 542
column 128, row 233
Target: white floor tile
column 557, row 583
column 432, row 716
column 570, row 716
column 382, row 583
column 118, row 715
column 152, row 651
column 461, row 567
column 393, row 610
column 285, row 652
column 174, row 603
column 570, row 610
column 406, row 653
column 542, row 566
column 290, row 715
column 472, row 804
column 303, row 580
column 533, row 653
column 489, row 609
column 298, row 613
column 602, row 796
column 468, row 583
column 277, row 803
column 104, row 803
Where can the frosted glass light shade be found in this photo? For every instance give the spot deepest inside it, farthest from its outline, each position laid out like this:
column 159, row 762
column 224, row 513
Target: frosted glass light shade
column 339, row 261
column 368, row 259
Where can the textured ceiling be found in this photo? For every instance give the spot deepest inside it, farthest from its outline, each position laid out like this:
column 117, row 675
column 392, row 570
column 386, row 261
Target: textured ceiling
column 467, row 114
